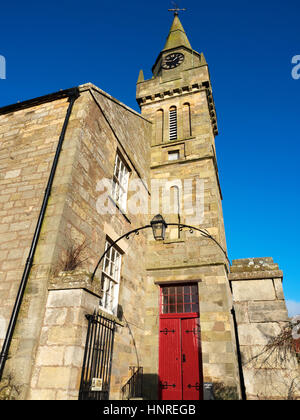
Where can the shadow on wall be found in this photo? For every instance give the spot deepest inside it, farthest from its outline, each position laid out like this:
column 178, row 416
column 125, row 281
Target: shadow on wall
column 150, row 380
column 150, row 386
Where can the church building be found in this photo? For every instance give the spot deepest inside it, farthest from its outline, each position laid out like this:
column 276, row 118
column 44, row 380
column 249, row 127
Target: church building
column 115, row 281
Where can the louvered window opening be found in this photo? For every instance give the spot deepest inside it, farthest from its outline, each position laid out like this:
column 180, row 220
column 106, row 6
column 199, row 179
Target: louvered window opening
column 173, row 124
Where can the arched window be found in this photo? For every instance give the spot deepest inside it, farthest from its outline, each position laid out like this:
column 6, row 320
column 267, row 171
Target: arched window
column 187, row 126
column 173, row 123
column 159, row 126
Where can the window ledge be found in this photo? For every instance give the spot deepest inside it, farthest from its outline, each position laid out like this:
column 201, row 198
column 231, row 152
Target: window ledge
column 111, row 316
column 173, row 142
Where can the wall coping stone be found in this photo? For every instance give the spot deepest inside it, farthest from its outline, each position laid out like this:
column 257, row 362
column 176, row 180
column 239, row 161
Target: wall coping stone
column 256, row 275
column 77, row 279
column 182, row 266
column 80, row 279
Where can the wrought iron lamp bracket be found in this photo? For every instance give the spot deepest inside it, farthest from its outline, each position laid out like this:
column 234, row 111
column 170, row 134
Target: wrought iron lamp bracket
column 137, row 231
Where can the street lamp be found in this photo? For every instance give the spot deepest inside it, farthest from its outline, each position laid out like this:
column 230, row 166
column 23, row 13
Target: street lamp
column 159, row 226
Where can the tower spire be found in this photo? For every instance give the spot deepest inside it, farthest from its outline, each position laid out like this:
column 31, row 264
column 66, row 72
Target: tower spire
column 177, row 36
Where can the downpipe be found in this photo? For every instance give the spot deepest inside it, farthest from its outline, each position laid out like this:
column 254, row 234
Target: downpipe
column 73, row 95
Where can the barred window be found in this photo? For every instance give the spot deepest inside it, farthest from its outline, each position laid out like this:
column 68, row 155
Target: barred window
column 110, row 279
column 173, row 123
column 120, row 182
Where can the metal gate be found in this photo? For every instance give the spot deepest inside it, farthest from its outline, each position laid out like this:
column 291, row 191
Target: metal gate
column 96, row 369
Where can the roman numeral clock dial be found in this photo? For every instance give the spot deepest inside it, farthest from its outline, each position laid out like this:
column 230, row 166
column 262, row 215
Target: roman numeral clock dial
column 171, row 61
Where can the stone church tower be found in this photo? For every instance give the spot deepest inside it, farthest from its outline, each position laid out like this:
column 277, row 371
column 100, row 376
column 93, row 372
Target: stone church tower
column 167, row 319
column 178, row 101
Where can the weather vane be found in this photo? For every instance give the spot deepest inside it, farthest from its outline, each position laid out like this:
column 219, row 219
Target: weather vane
column 176, row 9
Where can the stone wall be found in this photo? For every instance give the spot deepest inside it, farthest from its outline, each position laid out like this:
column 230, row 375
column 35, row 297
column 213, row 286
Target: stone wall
column 110, row 126
column 28, row 139
column 98, row 126
column 58, row 364
column 261, row 314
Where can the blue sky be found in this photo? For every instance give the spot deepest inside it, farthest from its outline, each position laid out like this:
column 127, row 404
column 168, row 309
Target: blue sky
column 249, row 47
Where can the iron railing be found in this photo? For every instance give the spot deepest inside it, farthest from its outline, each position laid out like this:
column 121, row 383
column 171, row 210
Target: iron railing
column 134, row 386
column 96, row 369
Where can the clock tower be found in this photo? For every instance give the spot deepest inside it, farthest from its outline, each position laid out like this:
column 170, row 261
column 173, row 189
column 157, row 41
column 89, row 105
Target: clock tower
column 178, row 101
column 180, row 75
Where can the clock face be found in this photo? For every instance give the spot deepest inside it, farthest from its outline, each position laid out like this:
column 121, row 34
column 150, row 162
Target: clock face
column 172, row 60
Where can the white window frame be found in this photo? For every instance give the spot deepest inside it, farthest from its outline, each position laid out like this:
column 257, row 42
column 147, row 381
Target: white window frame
column 110, row 279
column 120, row 182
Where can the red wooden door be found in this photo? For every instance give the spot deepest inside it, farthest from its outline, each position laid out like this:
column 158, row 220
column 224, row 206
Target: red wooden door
column 179, row 358
column 169, row 360
column 190, row 348
column 180, row 366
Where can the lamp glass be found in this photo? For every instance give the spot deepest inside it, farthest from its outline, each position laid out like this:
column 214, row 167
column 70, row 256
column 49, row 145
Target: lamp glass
column 158, row 227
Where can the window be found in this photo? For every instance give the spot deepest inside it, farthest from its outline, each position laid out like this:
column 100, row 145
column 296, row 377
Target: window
column 120, row 182
column 174, row 155
column 173, row 123
column 179, row 299
column 110, row 279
